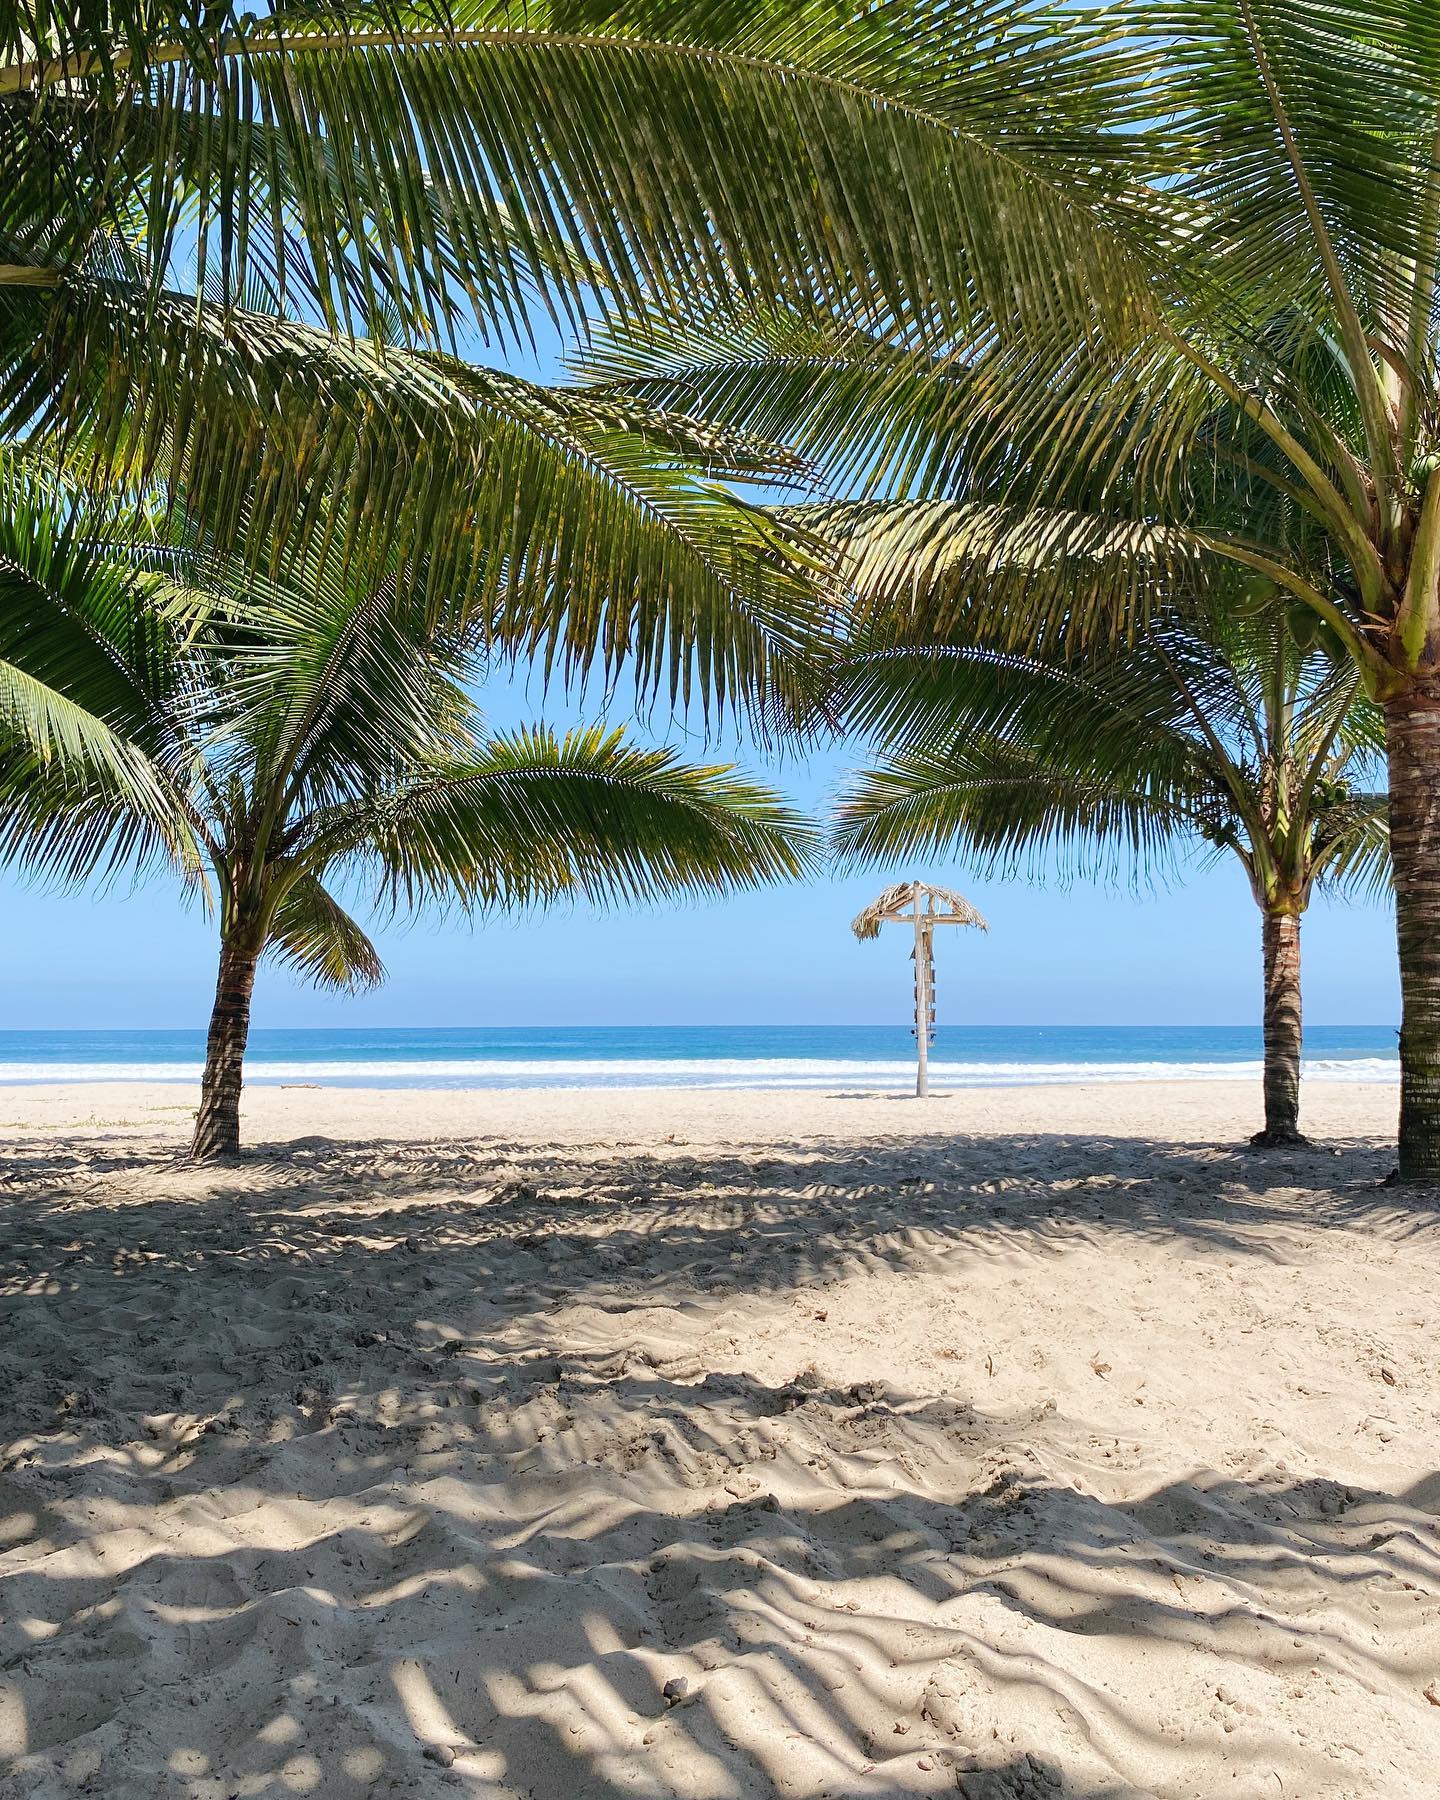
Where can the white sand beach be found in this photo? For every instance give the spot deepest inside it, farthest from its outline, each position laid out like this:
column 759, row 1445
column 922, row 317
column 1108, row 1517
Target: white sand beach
column 579, row 1445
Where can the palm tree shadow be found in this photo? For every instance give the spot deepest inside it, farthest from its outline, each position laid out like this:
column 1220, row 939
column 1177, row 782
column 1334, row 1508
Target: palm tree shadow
column 820, row 1197
column 376, row 1609
column 296, row 1489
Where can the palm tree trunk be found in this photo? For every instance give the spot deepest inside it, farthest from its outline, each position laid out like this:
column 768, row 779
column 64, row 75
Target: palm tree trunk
column 1281, row 939
column 217, row 1124
column 1413, row 744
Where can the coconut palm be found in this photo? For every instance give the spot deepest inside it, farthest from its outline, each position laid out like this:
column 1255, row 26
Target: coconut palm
column 361, row 186
column 1265, row 274
column 279, row 743
column 1233, row 729
column 239, row 245
column 1133, row 244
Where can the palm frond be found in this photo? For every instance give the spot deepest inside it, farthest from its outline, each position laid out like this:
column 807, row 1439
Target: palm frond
column 583, row 530
column 314, row 935
column 378, row 156
column 74, row 821
column 1353, row 843
column 1006, row 810
column 535, row 817
column 86, row 664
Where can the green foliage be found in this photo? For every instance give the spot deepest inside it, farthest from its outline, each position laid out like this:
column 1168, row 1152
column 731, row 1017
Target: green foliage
column 291, row 738
column 1263, row 329
column 87, row 617
column 237, row 247
column 1212, row 724
column 312, row 934
column 385, row 166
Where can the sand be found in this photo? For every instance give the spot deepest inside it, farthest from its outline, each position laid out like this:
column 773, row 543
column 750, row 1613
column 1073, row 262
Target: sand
column 701, row 1446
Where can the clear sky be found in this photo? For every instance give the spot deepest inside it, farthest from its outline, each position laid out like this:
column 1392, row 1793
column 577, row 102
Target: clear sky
column 1085, row 954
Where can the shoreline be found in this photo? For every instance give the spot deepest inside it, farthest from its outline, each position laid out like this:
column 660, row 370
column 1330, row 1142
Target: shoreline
column 859, row 1087
column 802, row 1059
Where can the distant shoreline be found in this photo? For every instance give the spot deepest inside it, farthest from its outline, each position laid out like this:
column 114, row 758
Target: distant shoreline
column 800, row 1058
column 861, row 1081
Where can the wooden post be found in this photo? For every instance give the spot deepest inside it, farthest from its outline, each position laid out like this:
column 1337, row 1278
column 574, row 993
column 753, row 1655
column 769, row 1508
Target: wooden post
column 922, row 1003
column 929, row 907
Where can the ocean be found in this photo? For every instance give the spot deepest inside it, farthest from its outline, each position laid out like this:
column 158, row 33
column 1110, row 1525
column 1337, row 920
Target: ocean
column 859, row 1057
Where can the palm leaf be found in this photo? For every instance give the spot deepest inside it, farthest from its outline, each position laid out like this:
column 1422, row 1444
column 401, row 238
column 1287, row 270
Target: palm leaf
column 535, row 818
column 1009, row 809
column 584, row 530
column 380, row 155
column 86, row 659
column 314, row 935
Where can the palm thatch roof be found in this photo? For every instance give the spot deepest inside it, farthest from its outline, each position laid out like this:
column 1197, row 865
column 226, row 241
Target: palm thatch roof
column 942, row 905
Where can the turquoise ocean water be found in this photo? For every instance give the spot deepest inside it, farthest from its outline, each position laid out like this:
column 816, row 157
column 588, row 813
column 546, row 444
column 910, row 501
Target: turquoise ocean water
column 846, row 1057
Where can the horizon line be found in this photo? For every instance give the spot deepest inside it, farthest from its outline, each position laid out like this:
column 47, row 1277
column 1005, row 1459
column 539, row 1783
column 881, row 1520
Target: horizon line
column 748, row 1025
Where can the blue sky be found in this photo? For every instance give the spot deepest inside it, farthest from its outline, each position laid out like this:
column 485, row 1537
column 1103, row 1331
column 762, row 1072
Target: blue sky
column 1085, row 954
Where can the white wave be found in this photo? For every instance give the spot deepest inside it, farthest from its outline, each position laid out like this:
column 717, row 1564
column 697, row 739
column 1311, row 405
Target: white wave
column 734, row 1072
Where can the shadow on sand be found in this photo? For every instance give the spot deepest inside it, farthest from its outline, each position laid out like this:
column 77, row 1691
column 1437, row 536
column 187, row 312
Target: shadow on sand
column 303, row 1489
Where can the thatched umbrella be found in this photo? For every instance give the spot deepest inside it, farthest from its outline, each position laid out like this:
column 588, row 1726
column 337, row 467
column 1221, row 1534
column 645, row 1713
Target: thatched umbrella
column 919, row 904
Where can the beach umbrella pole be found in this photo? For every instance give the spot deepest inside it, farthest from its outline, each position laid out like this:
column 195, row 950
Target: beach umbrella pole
column 922, row 1004
column 923, row 907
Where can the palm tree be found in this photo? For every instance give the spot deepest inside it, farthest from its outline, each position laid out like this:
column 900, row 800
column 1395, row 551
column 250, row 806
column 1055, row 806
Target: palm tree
column 239, row 246
column 1259, row 288
column 1118, row 249
column 277, row 743
column 363, row 187
column 1233, row 728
